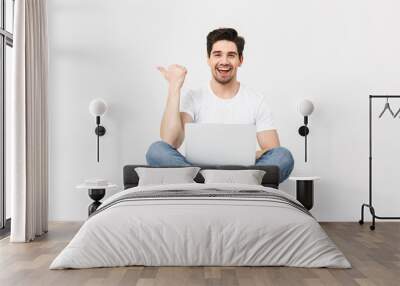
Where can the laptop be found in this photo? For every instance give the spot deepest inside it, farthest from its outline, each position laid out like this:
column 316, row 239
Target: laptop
column 220, row 144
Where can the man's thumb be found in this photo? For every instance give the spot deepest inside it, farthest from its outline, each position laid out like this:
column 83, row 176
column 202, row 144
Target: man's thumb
column 162, row 70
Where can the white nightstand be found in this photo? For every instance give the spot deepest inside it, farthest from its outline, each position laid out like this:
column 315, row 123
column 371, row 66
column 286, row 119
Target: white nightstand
column 305, row 190
column 96, row 193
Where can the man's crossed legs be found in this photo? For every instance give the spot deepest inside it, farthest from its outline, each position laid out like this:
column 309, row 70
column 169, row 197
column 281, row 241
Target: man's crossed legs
column 162, row 154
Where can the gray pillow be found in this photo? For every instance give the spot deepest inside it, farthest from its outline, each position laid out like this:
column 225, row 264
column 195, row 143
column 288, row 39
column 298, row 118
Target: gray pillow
column 165, row 176
column 248, row 177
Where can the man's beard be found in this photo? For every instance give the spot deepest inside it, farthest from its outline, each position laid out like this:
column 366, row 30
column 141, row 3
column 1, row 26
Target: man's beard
column 225, row 81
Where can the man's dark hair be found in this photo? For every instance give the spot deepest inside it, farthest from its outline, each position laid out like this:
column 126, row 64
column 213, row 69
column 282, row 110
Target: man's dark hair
column 227, row 34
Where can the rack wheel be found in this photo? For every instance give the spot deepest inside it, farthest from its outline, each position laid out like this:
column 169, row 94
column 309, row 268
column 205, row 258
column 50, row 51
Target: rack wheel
column 361, row 222
column 372, row 227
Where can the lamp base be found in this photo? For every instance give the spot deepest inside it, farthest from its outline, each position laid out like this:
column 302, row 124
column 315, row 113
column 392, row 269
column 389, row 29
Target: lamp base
column 303, row 130
column 100, row 130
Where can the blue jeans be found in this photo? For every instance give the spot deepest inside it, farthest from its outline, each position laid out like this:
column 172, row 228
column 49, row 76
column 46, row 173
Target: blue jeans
column 162, row 154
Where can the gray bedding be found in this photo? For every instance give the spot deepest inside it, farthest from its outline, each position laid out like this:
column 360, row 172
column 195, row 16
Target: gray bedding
column 201, row 224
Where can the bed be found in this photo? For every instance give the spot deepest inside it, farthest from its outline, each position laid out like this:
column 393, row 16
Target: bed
column 201, row 224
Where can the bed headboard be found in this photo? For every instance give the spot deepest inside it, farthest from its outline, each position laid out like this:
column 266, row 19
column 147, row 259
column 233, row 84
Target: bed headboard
column 270, row 179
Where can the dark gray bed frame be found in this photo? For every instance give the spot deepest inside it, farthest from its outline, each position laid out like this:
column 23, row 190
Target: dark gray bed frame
column 270, row 179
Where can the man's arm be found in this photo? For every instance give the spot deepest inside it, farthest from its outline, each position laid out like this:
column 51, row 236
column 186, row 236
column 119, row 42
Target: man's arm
column 173, row 121
column 267, row 140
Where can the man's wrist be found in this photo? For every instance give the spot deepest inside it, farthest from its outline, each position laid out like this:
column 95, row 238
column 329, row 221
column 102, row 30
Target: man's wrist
column 174, row 87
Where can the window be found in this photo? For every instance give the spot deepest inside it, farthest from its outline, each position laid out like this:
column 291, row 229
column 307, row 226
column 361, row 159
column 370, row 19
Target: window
column 6, row 44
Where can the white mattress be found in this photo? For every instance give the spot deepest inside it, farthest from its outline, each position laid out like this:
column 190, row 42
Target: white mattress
column 200, row 231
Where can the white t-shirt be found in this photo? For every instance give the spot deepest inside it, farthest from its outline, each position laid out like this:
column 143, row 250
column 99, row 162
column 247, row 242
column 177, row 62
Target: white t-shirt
column 246, row 107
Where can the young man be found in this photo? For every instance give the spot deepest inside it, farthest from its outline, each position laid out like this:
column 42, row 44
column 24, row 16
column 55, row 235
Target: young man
column 223, row 100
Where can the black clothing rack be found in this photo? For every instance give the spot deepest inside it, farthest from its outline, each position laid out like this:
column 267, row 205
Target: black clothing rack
column 369, row 205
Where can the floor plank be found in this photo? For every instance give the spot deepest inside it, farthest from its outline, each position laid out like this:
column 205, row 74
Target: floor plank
column 374, row 255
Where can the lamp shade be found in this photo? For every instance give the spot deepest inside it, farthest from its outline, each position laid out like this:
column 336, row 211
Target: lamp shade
column 97, row 107
column 306, row 107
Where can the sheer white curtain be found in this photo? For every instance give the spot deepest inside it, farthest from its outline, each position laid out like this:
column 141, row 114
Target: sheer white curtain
column 27, row 122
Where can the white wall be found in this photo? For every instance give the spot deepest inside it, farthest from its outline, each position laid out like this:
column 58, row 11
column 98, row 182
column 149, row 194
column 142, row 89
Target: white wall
column 332, row 52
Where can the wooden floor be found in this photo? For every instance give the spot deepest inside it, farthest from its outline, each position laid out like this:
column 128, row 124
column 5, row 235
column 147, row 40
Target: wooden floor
column 374, row 255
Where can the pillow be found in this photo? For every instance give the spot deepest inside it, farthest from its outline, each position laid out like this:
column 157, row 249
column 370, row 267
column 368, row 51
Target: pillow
column 248, row 177
column 165, row 176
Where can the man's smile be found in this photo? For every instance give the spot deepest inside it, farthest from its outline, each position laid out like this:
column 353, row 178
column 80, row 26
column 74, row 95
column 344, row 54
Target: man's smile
column 223, row 70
